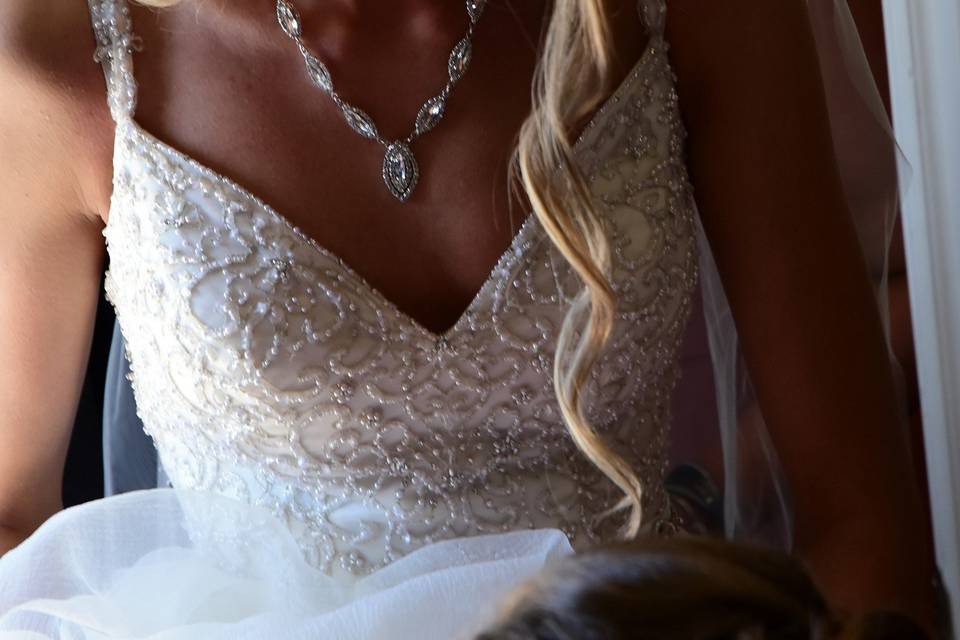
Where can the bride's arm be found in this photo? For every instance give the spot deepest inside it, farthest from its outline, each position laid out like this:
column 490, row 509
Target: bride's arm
column 51, row 253
column 761, row 160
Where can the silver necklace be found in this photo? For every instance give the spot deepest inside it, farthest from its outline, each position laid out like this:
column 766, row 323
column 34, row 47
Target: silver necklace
column 400, row 169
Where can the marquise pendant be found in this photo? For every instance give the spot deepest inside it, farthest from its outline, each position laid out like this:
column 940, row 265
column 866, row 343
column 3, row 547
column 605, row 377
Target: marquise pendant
column 400, row 170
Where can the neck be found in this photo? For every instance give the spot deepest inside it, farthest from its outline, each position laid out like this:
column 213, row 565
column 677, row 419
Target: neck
column 334, row 26
column 339, row 24
column 397, row 12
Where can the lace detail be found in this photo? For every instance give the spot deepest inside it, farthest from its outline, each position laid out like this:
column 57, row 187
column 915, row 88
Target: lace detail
column 267, row 370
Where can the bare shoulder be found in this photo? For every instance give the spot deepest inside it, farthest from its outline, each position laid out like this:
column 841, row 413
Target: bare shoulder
column 53, row 113
column 737, row 40
column 629, row 34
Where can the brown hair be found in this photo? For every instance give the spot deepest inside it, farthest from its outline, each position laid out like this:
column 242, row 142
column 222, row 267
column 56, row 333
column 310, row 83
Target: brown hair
column 682, row 589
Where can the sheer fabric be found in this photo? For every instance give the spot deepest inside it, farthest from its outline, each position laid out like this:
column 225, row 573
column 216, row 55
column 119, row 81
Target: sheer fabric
column 130, row 459
column 753, row 493
column 126, row 567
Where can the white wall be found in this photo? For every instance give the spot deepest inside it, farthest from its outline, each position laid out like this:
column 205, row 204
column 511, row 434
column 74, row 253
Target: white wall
column 923, row 39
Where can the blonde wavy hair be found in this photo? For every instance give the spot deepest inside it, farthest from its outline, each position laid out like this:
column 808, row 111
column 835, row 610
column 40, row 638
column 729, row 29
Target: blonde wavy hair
column 572, row 78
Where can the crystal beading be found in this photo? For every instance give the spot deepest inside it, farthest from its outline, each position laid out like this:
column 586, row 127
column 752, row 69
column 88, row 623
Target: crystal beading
column 460, row 60
column 318, row 72
column 289, row 19
column 400, row 169
column 430, row 114
column 475, row 9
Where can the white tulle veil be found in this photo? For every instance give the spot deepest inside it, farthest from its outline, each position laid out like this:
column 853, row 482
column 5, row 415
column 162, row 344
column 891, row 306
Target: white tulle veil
column 728, row 437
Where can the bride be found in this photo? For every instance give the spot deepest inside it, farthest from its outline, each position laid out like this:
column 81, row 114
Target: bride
column 383, row 391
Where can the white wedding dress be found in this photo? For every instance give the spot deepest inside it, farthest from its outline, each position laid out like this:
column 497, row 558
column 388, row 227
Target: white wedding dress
column 338, row 470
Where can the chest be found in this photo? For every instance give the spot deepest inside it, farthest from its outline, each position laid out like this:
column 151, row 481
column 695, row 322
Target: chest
column 203, row 261
column 239, row 100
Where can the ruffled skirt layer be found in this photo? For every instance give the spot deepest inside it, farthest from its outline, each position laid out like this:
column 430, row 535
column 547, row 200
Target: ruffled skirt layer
column 126, row 567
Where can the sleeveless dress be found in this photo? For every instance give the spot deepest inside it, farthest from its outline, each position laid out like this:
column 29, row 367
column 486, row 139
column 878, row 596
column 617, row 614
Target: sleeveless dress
column 337, row 469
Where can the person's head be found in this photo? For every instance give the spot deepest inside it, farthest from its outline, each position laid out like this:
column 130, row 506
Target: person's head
column 572, row 79
column 681, row 589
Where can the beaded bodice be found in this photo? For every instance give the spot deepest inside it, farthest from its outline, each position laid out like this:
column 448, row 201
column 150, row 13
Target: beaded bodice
column 267, row 370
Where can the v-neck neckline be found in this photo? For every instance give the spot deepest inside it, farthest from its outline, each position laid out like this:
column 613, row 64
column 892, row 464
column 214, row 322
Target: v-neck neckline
column 513, row 251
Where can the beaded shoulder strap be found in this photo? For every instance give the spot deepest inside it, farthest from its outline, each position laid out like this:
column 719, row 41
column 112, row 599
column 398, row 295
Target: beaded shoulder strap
column 116, row 43
column 654, row 16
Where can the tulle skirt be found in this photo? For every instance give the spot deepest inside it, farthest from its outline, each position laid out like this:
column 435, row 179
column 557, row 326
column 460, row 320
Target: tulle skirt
column 132, row 566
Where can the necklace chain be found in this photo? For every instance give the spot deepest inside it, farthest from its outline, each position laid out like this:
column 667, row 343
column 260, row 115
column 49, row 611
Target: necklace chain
column 400, row 169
